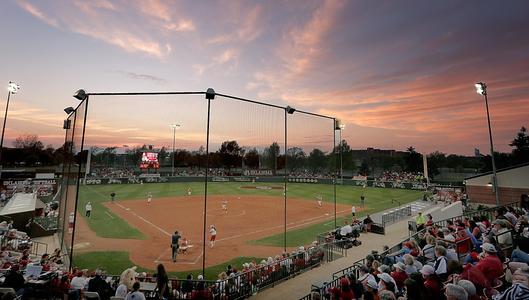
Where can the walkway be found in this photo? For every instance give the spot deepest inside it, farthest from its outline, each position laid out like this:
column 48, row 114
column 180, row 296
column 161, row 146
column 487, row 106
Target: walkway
column 299, row 286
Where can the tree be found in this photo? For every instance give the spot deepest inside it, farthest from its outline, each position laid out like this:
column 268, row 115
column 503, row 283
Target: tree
column 270, row 157
column 317, row 160
column 436, row 160
column 520, row 143
column 413, row 160
column 295, row 158
column 251, row 159
column 28, row 141
column 230, row 153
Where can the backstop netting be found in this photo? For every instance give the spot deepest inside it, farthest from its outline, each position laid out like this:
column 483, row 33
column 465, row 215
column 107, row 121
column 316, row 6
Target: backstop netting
column 241, row 181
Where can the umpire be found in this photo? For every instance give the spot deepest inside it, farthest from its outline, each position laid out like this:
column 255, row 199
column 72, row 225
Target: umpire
column 174, row 244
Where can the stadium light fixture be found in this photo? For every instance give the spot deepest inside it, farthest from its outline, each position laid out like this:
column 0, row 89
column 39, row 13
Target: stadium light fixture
column 80, row 95
column 12, row 88
column 69, row 110
column 290, row 110
column 481, row 88
column 174, row 127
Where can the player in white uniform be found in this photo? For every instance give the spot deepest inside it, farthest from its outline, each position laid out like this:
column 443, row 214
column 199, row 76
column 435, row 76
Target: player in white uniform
column 320, row 201
column 224, row 205
column 213, row 235
column 149, row 198
column 189, row 191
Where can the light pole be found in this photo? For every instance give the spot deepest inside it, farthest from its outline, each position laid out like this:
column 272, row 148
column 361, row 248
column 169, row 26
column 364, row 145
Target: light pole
column 12, row 88
column 481, row 88
column 340, row 126
column 174, row 127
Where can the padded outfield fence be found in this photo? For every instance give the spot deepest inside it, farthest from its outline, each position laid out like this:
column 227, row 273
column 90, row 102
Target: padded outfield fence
column 275, row 144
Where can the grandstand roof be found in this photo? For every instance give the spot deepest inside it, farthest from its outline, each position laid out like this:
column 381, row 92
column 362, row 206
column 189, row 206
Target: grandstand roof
column 515, row 177
column 20, row 203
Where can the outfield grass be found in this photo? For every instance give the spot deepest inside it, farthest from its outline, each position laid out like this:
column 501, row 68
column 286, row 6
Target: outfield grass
column 377, row 199
column 106, row 224
column 114, row 262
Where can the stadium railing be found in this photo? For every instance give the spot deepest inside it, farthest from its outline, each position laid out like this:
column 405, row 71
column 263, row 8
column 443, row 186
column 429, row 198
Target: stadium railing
column 250, row 281
column 34, row 247
column 396, row 215
column 488, row 212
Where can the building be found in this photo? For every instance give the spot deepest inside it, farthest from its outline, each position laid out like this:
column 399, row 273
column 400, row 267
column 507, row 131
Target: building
column 512, row 182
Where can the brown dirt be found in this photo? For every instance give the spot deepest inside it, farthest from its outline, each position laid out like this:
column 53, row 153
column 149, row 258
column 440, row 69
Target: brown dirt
column 248, row 218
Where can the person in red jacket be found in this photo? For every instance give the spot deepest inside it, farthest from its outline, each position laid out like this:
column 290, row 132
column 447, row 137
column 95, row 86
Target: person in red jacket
column 399, row 275
column 490, row 265
column 343, row 292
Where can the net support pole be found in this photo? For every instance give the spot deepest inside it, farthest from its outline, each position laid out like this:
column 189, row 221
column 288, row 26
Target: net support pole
column 285, row 186
column 334, row 176
column 206, row 191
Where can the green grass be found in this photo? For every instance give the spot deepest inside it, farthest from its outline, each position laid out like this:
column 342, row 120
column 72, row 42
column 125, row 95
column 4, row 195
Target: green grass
column 114, row 262
column 377, row 199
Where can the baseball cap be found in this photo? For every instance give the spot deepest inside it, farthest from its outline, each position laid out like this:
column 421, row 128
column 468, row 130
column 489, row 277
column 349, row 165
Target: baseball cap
column 427, row 270
column 200, row 277
column 384, row 277
column 400, row 266
column 372, row 284
column 487, row 247
column 383, row 269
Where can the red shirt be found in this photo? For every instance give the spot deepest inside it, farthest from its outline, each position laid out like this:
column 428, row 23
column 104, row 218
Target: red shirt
column 400, row 277
column 491, row 267
column 475, row 275
column 432, row 285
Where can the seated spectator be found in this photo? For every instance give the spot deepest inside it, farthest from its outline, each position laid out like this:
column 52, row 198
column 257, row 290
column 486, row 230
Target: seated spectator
column 455, row 292
column 413, row 290
column 344, row 291
column 365, row 276
column 399, row 275
column 356, row 287
column 428, row 250
column 519, row 288
column 386, row 295
column 469, row 288
column 371, row 292
column 78, row 282
column 15, row 280
column 490, row 265
column 386, row 283
column 367, row 223
column 99, row 285
column 431, row 282
column 441, row 263
column 135, row 294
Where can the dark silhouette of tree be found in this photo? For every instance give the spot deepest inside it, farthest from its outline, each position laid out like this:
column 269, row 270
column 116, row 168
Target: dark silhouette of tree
column 520, row 143
column 364, row 168
column 270, row 157
column 28, row 142
column 296, row 158
column 317, row 160
column 413, row 160
column 251, row 159
column 230, row 154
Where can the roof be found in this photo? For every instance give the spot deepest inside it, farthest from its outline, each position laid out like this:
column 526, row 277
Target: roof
column 499, row 170
column 19, row 203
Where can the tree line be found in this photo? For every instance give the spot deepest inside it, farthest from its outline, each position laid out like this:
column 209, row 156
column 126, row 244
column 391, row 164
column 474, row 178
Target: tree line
column 29, row 151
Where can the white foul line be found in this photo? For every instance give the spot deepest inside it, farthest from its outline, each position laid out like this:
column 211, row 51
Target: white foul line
column 143, row 219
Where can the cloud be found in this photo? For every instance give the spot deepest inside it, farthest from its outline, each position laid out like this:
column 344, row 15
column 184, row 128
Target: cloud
column 228, row 59
column 36, row 12
column 247, row 30
column 140, row 76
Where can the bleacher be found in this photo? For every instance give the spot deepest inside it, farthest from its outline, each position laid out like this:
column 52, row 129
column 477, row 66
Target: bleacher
column 463, row 248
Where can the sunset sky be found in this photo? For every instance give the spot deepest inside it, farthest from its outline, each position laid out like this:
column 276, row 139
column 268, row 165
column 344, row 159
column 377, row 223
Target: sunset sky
column 398, row 73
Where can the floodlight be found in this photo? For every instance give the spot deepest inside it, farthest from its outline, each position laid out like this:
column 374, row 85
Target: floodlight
column 481, row 88
column 12, row 87
column 210, row 94
column 174, row 126
column 80, row 95
column 338, row 125
column 290, row 110
column 69, row 110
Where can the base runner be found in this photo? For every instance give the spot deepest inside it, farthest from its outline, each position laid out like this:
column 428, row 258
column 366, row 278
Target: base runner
column 149, row 198
column 224, row 205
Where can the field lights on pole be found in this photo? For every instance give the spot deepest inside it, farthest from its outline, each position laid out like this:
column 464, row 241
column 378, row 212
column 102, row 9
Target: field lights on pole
column 481, row 88
column 12, row 88
column 174, row 127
